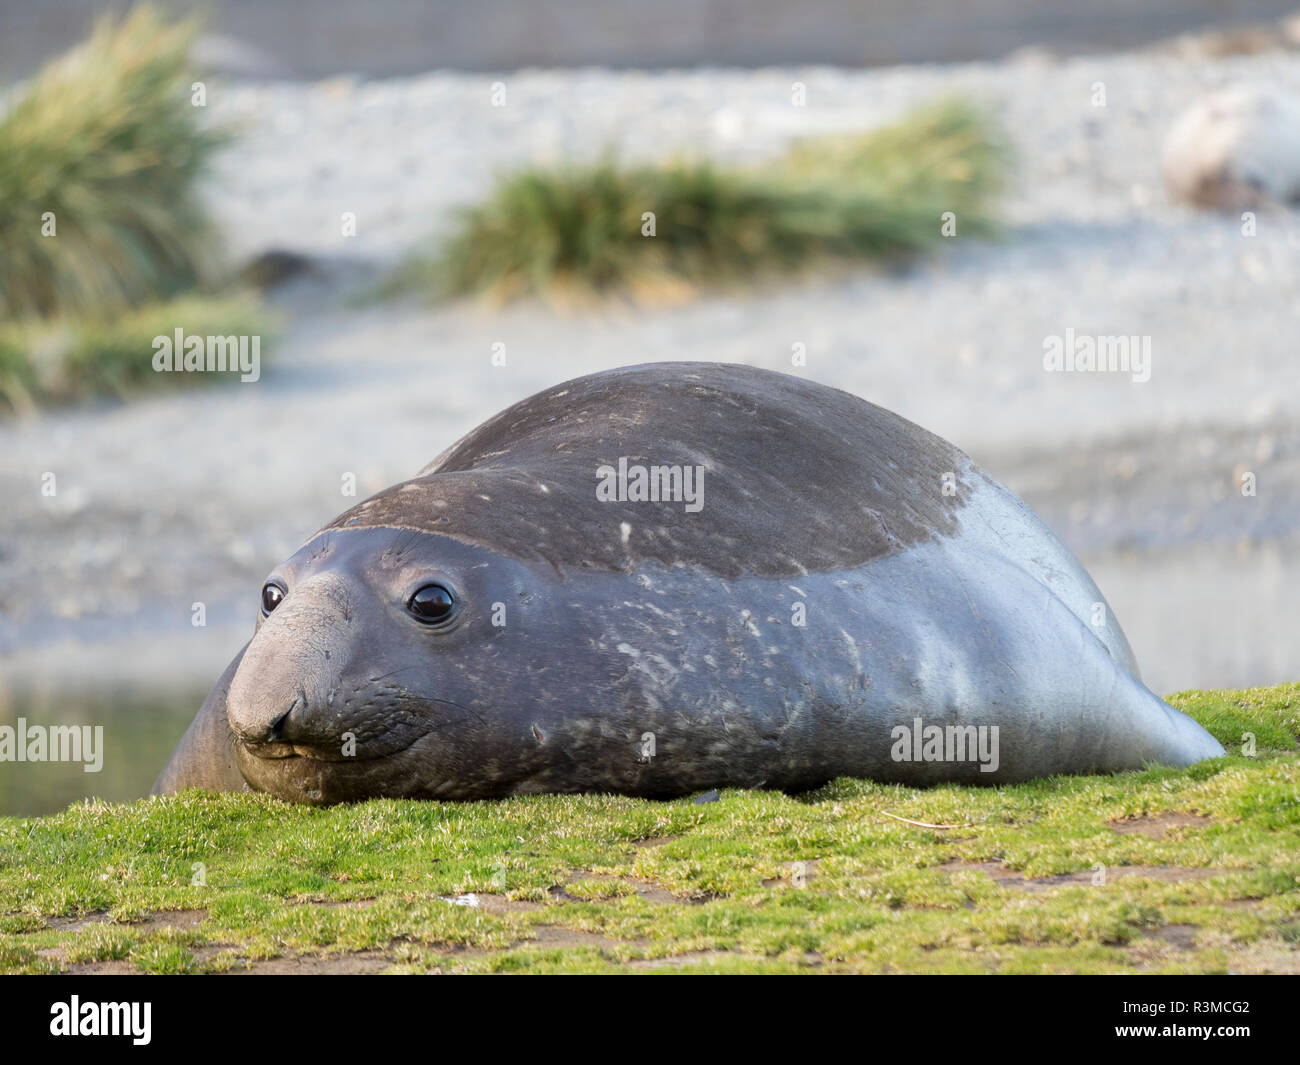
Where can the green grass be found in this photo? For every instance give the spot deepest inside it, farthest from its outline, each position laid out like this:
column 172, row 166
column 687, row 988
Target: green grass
column 107, row 142
column 105, row 241
column 66, row 359
column 579, row 232
column 947, row 155
column 757, row 882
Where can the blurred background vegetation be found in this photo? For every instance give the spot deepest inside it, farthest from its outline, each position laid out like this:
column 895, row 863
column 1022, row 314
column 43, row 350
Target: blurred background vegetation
column 656, row 232
column 106, row 241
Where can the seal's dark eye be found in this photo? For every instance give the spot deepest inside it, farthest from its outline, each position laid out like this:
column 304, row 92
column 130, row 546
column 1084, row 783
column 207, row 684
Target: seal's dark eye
column 272, row 595
column 431, row 603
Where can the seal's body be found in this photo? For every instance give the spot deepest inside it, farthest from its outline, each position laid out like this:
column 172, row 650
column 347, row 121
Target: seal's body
column 673, row 577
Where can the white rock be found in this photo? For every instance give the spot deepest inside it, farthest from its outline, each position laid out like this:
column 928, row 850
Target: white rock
column 1236, row 149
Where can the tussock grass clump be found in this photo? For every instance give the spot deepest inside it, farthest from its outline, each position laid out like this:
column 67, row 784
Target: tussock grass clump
column 104, row 243
column 75, row 358
column 583, row 230
column 946, row 155
column 106, row 141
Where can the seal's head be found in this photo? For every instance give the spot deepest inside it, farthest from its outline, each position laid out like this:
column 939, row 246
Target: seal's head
column 367, row 671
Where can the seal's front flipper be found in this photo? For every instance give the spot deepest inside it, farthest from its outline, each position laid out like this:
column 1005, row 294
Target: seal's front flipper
column 205, row 757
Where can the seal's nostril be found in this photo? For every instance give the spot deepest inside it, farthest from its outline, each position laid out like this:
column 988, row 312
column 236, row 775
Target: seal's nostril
column 273, row 729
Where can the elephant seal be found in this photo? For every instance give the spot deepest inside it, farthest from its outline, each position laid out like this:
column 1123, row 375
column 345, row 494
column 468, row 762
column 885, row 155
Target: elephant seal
column 674, row 577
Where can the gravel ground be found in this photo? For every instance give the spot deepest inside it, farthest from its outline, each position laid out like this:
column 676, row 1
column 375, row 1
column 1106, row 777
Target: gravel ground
column 193, row 497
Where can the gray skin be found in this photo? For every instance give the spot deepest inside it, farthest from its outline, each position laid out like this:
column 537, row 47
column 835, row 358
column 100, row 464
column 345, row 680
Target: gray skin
column 580, row 626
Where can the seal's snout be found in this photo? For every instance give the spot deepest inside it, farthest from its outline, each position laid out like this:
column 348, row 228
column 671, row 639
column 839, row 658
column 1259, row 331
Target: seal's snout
column 261, row 726
column 269, row 708
column 283, row 693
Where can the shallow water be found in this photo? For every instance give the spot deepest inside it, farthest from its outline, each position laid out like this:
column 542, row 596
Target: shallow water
column 139, row 732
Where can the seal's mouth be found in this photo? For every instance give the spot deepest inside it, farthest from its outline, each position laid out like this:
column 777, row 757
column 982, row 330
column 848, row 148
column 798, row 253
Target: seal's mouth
column 322, row 774
column 277, row 750
column 368, row 750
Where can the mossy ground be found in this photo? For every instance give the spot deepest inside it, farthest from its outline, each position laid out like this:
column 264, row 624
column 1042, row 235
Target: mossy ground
column 1164, row 870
